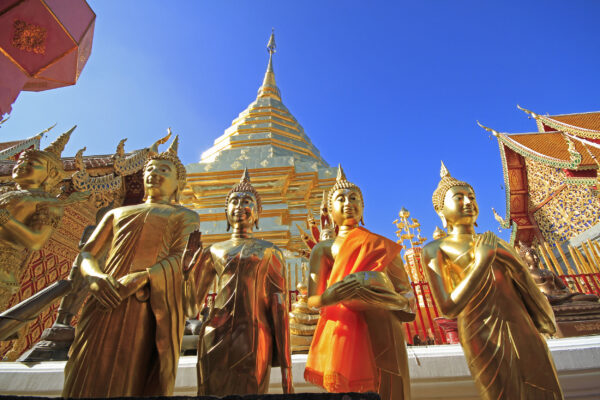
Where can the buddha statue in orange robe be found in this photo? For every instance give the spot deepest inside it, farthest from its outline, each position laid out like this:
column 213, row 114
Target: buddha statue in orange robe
column 358, row 281
column 480, row 280
column 128, row 337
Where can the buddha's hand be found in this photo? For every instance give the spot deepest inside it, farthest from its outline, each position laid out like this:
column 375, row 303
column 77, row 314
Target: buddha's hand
column 485, row 248
column 105, row 289
column 192, row 252
column 340, row 291
column 133, row 282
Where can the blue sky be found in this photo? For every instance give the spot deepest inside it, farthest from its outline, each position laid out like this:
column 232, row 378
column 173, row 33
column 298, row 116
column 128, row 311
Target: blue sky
column 388, row 89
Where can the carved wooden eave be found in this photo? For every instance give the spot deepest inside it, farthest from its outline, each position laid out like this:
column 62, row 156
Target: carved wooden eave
column 573, row 152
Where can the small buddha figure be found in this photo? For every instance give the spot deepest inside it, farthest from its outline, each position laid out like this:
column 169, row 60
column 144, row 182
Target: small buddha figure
column 247, row 330
column 568, row 306
column 358, row 281
column 30, row 214
column 481, row 281
column 303, row 320
column 128, row 337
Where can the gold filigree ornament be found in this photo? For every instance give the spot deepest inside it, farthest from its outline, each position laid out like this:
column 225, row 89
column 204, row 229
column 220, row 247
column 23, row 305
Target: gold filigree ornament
column 29, row 37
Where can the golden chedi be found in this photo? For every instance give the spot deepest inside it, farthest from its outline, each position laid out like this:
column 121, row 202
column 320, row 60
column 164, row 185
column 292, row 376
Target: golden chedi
column 303, row 321
column 30, row 213
column 576, row 313
column 129, row 333
column 481, row 280
column 359, row 283
column 247, row 330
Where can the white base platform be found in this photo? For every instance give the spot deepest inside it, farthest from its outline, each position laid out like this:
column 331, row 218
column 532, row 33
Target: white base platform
column 437, row 372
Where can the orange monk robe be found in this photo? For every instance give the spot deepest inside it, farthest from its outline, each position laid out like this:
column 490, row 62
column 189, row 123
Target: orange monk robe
column 356, row 340
column 133, row 350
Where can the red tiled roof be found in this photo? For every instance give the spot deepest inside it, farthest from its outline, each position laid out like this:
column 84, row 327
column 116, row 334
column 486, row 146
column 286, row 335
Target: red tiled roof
column 6, row 145
column 553, row 144
column 590, row 120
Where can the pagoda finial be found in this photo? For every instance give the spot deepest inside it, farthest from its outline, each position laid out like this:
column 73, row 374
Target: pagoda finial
column 271, row 46
column 269, row 87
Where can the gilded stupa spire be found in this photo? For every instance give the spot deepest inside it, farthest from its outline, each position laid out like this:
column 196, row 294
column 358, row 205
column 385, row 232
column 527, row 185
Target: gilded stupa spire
column 269, row 86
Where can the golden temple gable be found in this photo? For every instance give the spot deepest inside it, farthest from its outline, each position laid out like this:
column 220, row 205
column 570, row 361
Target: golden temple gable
column 551, row 178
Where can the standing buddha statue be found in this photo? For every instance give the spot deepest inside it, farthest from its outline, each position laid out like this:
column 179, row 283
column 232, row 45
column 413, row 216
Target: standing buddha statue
column 481, row 281
column 359, row 282
column 30, row 213
column 247, row 329
column 129, row 334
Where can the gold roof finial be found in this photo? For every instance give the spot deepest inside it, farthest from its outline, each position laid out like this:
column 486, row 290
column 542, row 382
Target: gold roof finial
column 492, row 131
column 56, row 148
column 526, row 111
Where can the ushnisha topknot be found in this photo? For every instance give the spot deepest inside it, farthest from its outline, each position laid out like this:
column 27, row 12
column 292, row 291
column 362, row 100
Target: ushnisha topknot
column 171, row 155
column 446, row 182
column 342, row 183
column 245, row 186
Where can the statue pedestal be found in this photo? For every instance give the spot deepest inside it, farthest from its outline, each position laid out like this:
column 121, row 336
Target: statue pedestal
column 54, row 345
column 580, row 327
column 450, row 329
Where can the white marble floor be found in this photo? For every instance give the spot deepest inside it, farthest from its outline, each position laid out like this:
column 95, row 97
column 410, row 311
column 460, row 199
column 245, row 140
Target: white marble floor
column 437, row 372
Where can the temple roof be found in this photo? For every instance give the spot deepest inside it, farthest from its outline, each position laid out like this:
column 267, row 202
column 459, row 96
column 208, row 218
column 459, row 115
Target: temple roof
column 9, row 150
column 589, row 120
column 91, row 163
column 264, row 135
column 553, row 146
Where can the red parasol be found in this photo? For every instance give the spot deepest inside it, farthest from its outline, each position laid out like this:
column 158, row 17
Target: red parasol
column 44, row 44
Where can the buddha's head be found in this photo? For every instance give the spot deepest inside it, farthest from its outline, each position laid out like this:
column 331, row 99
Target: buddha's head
column 454, row 201
column 529, row 255
column 41, row 168
column 345, row 202
column 164, row 175
column 243, row 205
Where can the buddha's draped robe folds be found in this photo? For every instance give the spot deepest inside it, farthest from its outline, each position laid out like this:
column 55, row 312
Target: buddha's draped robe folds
column 498, row 330
column 247, row 331
column 359, row 344
column 133, row 350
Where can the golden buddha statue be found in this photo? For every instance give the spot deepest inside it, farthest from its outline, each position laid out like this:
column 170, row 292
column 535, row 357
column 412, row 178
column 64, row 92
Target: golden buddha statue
column 572, row 310
column 30, row 213
column 247, row 330
column 303, row 319
column 359, row 282
column 481, row 281
column 128, row 337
